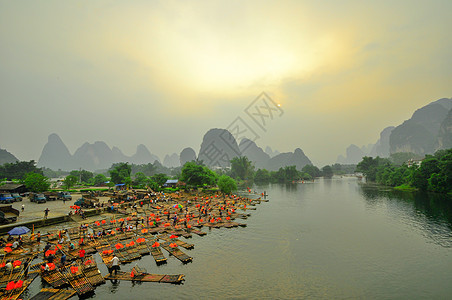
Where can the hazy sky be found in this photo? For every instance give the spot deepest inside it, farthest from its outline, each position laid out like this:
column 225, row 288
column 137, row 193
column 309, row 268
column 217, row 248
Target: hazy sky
column 161, row 73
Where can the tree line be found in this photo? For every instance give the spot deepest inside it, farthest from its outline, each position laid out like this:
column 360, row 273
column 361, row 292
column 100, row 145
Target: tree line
column 193, row 174
column 434, row 173
column 242, row 169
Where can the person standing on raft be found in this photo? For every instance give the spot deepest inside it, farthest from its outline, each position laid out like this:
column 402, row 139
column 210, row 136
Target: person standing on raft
column 114, row 265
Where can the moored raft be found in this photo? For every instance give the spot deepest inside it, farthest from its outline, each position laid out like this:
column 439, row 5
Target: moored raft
column 17, row 291
column 79, row 282
column 176, row 252
column 146, row 277
column 54, row 278
column 91, row 271
column 178, row 242
column 198, row 232
column 156, row 253
column 53, row 294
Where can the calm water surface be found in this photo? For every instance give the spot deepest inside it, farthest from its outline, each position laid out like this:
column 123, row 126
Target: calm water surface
column 328, row 239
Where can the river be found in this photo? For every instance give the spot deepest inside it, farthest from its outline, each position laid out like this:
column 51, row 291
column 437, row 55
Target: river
column 330, row 239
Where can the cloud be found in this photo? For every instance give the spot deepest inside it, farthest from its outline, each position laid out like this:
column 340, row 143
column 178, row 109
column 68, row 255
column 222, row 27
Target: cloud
column 128, row 71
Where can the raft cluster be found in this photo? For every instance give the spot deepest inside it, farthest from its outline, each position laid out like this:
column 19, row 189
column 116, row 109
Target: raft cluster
column 142, row 226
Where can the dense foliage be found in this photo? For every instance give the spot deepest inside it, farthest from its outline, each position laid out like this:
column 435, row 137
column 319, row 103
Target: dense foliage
column 18, row 170
column 83, row 175
column 197, row 175
column 242, row 168
column 120, row 173
column 434, row 174
column 226, row 184
column 70, row 181
column 36, row 182
column 99, row 179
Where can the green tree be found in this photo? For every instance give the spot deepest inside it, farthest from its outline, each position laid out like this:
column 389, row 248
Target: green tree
column 70, row 181
column 327, row 172
column 141, row 180
column 421, row 175
column 286, row 174
column 18, row 170
column 226, row 184
column 291, row 173
column 242, row 168
column 83, row 175
column 36, row 182
column 312, row 170
column 99, row 179
column 120, row 173
column 262, row 176
column 197, row 175
column 369, row 166
column 160, row 178
column 305, row 176
column 278, row 176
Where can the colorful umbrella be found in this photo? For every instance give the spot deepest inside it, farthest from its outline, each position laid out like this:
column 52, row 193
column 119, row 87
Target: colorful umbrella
column 20, row 230
column 177, row 206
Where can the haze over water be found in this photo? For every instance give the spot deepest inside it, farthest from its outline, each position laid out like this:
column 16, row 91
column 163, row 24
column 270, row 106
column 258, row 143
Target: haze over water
column 322, row 240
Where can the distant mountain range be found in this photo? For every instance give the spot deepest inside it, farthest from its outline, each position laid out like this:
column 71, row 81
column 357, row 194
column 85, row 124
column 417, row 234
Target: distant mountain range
column 97, row 156
column 217, row 149
column 428, row 130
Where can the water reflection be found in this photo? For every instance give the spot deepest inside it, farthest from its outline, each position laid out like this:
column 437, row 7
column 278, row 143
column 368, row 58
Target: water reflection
column 429, row 212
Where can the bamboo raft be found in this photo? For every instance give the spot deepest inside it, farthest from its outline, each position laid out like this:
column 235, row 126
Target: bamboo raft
column 127, row 255
column 91, row 271
column 143, row 249
column 54, row 278
column 175, row 279
column 53, row 294
column 77, row 280
column 16, row 293
column 176, row 252
column 178, row 242
column 198, row 232
column 157, row 254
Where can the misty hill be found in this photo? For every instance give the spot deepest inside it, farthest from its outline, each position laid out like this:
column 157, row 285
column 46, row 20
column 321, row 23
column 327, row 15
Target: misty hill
column 270, row 152
column 429, row 129
column 297, row 159
column 186, row 155
column 420, row 133
column 6, row 157
column 171, row 161
column 444, row 140
column 218, row 147
column 254, row 153
column 353, row 155
column 55, row 155
column 381, row 147
column 93, row 156
column 142, row 156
